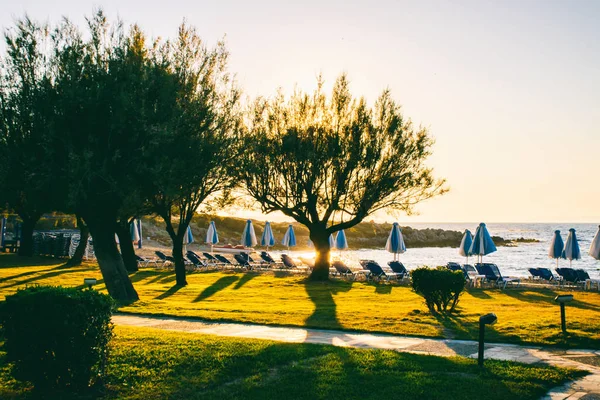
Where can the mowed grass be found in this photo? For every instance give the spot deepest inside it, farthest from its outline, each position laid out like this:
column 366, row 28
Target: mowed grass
column 525, row 316
column 149, row 363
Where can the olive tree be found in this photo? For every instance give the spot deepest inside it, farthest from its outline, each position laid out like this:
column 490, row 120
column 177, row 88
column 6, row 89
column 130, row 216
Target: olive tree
column 189, row 162
column 330, row 161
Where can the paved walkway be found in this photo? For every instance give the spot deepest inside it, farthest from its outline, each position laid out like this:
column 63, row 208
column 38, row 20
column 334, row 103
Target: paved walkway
column 587, row 388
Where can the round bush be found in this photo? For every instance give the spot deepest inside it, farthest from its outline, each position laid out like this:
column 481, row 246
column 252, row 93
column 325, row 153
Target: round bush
column 56, row 337
column 440, row 287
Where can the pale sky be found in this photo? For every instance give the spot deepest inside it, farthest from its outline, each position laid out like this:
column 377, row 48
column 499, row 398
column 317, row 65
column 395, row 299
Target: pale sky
column 509, row 89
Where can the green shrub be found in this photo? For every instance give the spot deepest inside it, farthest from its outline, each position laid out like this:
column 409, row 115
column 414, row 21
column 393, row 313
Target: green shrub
column 440, row 287
column 56, row 337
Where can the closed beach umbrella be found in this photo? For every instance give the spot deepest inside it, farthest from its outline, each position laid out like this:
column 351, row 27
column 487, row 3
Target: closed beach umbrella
column 595, row 246
column 289, row 239
column 465, row 245
column 212, row 237
column 556, row 247
column 395, row 242
column 248, row 236
column 482, row 242
column 571, row 251
column 331, row 241
column 133, row 231
column 267, row 238
column 2, row 230
column 188, row 238
column 341, row 243
column 139, row 228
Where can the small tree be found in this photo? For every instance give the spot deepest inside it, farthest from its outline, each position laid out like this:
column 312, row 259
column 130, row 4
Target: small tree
column 313, row 158
column 189, row 161
column 25, row 125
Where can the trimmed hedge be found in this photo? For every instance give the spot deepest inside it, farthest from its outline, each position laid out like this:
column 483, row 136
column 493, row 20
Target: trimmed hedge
column 56, row 338
column 440, row 287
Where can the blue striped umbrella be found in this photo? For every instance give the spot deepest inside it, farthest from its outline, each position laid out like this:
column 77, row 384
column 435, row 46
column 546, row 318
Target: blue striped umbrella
column 331, row 242
column 289, row 239
column 341, row 243
column 556, row 247
column 139, row 228
column 395, row 242
column 212, row 237
column 595, row 246
column 133, row 231
column 267, row 238
column 571, row 251
column 2, row 231
column 482, row 242
column 188, row 238
column 248, row 236
column 465, row 245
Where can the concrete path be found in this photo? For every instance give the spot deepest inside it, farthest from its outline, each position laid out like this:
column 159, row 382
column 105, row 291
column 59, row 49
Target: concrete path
column 587, row 388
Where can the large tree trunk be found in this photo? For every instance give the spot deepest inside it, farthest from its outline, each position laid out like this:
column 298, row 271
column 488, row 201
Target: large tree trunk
column 320, row 239
column 180, row 273
column 113, row 270
column 126, row 245
column 26, row 242
column 84, row 234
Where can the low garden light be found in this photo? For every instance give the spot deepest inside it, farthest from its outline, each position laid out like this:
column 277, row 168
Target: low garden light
column 562, row 300
column 488, row 319
column 89, row 282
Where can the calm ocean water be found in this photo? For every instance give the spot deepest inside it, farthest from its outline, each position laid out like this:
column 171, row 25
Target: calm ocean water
column 512, row 261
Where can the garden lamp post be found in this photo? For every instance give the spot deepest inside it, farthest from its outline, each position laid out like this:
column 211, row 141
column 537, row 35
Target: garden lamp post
column 488, row 319
column 562, row 299
column 89, row 282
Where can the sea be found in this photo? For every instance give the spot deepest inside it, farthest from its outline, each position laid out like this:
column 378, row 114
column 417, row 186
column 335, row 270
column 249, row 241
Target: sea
column 512, row 261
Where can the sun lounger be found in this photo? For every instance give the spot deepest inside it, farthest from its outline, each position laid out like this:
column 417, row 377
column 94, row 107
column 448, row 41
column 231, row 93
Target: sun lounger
column 492, row 274
column 144, row 262
column 585, row 279
column 454, row 266
column 196, row 261
column 544, row 274
column 164, row 259
column 471, row 275
column 377, row 272
column 289, row 263
column 399, row 269
column 223, row 261
column 568, row 274
column 341, row 269
column 242, row 261
column 266, row 257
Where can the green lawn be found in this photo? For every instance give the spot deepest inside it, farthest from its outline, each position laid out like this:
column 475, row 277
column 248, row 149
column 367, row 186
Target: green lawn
column 524, row 315
column 149, row 363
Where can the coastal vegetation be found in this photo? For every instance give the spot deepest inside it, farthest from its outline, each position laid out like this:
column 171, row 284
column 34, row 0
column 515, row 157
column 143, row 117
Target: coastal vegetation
column 525, row 315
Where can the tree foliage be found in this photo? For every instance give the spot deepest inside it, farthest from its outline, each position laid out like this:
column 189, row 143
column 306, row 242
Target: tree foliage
column 190, row 159
column 330, row 162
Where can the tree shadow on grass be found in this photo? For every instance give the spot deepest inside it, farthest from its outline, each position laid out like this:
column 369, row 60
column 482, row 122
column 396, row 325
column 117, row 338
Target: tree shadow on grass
column 216, row 287
column 169, row 292
column 383, row 289
column 321, row 294
column 479, row 293
column 547, row 297
column 245, row 278
column 54, row 272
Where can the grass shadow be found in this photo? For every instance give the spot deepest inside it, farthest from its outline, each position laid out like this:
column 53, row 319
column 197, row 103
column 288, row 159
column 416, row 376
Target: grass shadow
column 216, row 287
column 479, row 293
column 54, row 273
column 245, row 278
column 169, row 292
column 383, row 289
column 321, row 294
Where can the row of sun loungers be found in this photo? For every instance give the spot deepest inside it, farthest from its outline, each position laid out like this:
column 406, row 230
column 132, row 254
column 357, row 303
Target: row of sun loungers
column 484, row 273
